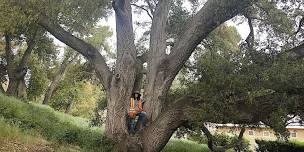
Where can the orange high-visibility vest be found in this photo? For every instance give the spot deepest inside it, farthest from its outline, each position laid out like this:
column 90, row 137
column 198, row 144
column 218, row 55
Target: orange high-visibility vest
column 132, row 106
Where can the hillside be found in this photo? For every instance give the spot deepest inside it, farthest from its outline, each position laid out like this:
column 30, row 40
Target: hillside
column 30, row 127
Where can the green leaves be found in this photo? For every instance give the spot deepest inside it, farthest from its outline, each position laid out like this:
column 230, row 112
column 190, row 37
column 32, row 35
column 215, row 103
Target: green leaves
column 38, row 81
column 12, row 18
column 98, row 37
column 275, row 17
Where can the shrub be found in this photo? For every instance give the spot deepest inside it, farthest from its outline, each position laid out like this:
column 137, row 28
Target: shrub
column 277, row 146
column 222, row 140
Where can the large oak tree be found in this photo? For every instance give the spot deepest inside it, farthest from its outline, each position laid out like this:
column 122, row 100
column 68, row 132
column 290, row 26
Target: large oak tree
column 162, row 68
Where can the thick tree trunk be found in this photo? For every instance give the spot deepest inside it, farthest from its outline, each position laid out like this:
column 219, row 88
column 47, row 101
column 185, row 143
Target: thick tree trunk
column 16, row 73
column 154, row 137
column 12, row 87
column 123, row 81
column 17, row 88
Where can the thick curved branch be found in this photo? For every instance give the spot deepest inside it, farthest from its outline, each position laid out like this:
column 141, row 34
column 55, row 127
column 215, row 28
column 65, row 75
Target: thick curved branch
column 209, row 137
column 84, row 48
column 160, row 131
column 213, row 14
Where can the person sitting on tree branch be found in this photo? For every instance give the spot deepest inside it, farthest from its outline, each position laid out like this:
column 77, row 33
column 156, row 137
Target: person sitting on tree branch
column 136, row 109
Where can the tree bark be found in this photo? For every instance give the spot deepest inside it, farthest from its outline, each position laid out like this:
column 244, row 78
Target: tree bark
column 17, row 86
column 125, row 72
column 156, row 136
column 87, row 50
column 156, row 73
column 59, row 76
column 9, row 56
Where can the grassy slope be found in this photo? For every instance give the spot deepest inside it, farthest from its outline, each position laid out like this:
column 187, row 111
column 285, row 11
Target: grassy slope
column 34, row 126
column 13, row 138
column 51, row 125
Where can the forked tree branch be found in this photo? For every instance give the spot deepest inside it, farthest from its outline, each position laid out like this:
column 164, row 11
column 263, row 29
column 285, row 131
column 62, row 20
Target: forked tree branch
column 84, row 48
column 87, row 50
column 26, row 56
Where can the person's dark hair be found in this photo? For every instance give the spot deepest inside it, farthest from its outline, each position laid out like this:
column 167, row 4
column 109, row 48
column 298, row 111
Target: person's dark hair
column 139, row 95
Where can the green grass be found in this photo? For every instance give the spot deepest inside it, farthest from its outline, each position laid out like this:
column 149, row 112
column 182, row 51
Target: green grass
column 34, row 123
column 176, row 145
column 10, row 132
column 52, row 125
column 27, row 138
column 299, row 143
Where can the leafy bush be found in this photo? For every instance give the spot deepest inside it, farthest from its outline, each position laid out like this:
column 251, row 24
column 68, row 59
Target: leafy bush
column 221, row 140
column 52, row 125
column 277, row 146
column 97, row 118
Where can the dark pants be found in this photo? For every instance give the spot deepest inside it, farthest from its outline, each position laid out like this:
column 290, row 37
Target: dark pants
column 142, row 119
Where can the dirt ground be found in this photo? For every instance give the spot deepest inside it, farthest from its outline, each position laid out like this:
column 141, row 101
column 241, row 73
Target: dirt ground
column 16, row 146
